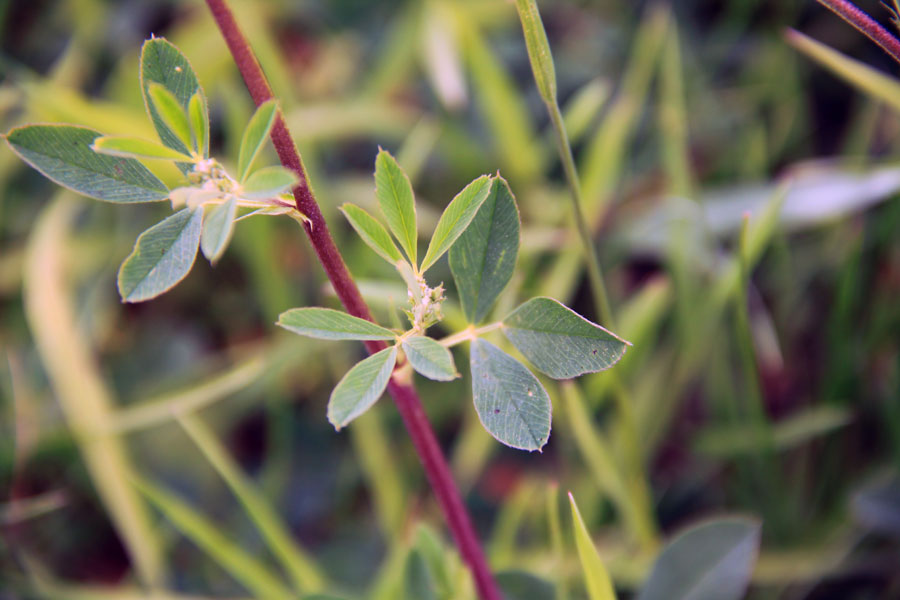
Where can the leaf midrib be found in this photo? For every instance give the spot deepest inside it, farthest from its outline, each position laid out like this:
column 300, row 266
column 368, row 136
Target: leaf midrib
column 92, row 170
column 410, row 242
column 187, row 223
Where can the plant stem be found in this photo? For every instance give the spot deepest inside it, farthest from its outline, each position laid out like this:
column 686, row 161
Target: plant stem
column 469, row 333
column 865, row 25
column 405, row 397
column 598, row 288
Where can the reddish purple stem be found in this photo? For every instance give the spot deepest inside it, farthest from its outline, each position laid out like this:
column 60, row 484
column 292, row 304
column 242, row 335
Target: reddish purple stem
column 405, row 397
column 866, row 25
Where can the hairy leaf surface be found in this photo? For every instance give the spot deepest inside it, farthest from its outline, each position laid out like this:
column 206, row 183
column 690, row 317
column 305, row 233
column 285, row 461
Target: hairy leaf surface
column 559, row 341
column 63, row 154
column 430, row 358
column 484, row 256
column 372, row 233
column 163, row 63
column 217, row 229
column 358, row 390
column 395, row 197
column 329, row 324
column 457, row 216
column 511, row 403
column 255, row 136
column 162, row 256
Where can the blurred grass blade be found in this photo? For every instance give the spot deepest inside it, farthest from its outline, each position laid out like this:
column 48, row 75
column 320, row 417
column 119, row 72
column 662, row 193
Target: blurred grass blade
column 171, row 112
column 130, row 147
column 556, row 541
column 504, row 542
column 673, row 120
column 596, row 579
column 381, row 469
column 604, row 157
column 583, row 108
column 301, row 568
column 786, row 434
column 634, row 511
column 156, row 411
column 63, row 154
column 83, row 396
column 418, row 146
column 871, row 82
column 538, row 49
column 760, row 230
column 711, row 560
column 504, row 110
column 255, row 136
column 245, row 568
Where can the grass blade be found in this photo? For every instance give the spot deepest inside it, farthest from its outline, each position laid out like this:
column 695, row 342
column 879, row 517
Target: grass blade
column 299, row 565
column 83, row 396
column 596, row 579
column 251, row 573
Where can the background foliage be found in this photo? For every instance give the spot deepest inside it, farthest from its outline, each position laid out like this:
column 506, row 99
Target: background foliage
column 763, row 380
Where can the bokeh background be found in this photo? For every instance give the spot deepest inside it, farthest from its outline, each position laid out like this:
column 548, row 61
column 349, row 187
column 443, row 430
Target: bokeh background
column 764, row 378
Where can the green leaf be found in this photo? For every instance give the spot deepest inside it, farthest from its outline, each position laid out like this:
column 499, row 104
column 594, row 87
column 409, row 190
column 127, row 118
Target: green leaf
column 511, row 403
column 63, row 154
column 171, row 112
column 372, row 233
column 712, row 560
column 255, row 136
column 217, row 229
column 430, row 358
column 358, row 390
column 484, row 256
column 240, row 564
column 198, row 113
column 457, row 216
column 162, row 256
column 395, row 197
column 559, row 341
column 131, row 147
column 269, row 182
column 419, row 582
column 519, row 585
column 726, row 441
column 596, row 579
column 163, row 63
column 328, row 324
